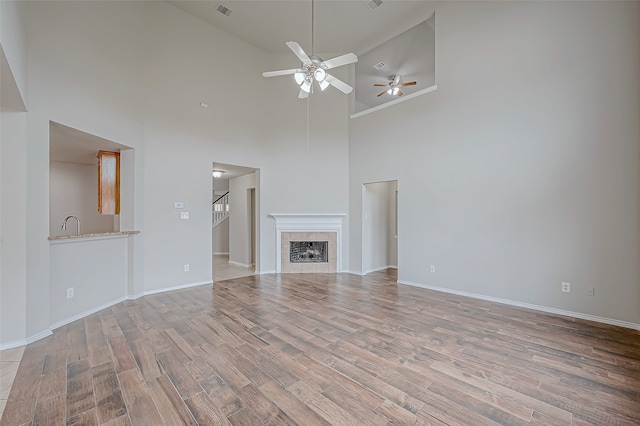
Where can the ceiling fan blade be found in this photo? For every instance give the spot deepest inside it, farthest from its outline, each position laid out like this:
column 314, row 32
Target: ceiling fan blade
column 411, row 83
column 338, row 84
column 381, row 93
column 381, row 85
column 281, row 72
column 339, row 61
column 295, row 48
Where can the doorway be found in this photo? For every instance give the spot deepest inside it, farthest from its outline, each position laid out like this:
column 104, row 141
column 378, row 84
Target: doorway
column 235, row 237
column 379, row 226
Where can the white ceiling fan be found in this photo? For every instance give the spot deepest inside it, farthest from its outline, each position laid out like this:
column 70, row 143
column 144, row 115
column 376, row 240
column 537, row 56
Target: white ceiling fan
column 314, row 69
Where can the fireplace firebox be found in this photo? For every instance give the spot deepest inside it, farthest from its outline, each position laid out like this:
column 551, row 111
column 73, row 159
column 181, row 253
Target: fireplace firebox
column 308, row 251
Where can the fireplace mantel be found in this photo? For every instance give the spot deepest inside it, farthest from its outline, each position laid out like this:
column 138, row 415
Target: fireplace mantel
column 303, row 222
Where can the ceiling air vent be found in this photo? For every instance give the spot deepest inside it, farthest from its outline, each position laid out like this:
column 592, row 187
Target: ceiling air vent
column 224, row 10
column 373, row 4
column 379, row 66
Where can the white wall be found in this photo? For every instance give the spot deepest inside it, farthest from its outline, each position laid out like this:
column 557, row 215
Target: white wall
column 220, row 237
column 522, row 170
column 379, row 224
column 240, row 219
column 96, row 284
column 13, row 41
column 13, row 226
column 73, row 190
column 135, row 73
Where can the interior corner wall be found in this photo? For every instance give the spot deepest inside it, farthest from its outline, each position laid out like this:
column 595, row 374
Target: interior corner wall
column 522, row 170
column 220, row 237
column 13, row 228
column 13, row 40
column 239, row 217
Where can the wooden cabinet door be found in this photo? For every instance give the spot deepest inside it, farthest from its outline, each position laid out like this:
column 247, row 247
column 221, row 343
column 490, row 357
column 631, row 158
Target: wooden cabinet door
column 108, row 182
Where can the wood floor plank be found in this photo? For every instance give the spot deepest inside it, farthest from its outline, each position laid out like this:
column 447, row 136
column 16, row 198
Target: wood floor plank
column 122, row 354
column 171, row 406
column 323, row 406
column 291, row 406
column 318, row 349
column 50, row 412
column 179, row 375
column 80, row 396
column 86, row 418
column 109, row 401
column 206, row 411
column 140, row 406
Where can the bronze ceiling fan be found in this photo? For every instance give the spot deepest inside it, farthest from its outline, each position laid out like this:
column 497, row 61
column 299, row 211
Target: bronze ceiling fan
column 394, row 85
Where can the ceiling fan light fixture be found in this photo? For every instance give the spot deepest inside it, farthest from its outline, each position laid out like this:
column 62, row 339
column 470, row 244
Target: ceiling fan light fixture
column 319, row 74
column 306, row 86
column 323, row 84
column 299, row 77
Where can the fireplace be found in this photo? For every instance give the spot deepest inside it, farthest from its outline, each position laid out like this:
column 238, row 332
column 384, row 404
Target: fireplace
column 308, row 243
column 308, row 251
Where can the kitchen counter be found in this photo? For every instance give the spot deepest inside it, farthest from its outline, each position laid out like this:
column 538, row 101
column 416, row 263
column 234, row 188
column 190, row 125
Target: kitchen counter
column 93, row 236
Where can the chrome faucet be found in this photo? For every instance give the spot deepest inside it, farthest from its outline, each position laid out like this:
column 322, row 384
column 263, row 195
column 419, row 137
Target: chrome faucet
column 64, row 224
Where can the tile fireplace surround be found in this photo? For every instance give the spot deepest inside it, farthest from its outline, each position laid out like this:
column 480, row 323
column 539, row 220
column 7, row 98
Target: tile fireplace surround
column 308, row 227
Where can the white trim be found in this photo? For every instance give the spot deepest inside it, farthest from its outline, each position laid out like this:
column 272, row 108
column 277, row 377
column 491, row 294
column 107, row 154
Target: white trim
column 395, row 101
column 547, row 309
column 178, row 287
column 46, row 333
column 223, row 253
column 266, row 272
column 305, row 222
column 381, row 269
column 24, row 342
column 86, row 313
column 244, row 265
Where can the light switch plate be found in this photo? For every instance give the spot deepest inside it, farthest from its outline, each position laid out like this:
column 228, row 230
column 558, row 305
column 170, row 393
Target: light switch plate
column 178, row 205
column 184, row 215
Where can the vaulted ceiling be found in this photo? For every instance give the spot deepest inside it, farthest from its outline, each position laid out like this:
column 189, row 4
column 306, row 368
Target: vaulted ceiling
column 395, row 32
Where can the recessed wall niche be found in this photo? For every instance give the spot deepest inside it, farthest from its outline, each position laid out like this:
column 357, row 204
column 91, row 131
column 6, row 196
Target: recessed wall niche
column 411, row 56
column 73, row 181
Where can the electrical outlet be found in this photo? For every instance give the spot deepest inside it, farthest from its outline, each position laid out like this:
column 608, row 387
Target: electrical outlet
column 178, row 205
column 566, row 287
column 186, row 267
column 184, row 215
column 591, row 291
column 432, row 269
column 70, row 292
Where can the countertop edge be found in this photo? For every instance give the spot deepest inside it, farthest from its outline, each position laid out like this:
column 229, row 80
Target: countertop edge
column 94, row 235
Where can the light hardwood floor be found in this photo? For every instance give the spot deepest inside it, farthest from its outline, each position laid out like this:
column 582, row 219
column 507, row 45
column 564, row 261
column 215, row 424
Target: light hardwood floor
column 223, row 270
column 326, row 349
column 10, row 358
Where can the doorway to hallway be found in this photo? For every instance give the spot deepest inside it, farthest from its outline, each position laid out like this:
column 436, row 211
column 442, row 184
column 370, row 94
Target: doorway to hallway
column 379, row 226
column 234, row 234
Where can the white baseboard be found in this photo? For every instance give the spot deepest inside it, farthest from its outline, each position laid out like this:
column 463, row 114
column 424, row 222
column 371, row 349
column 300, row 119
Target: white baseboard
column 244, row 265
column 178, row 287
column 24, row 342
column 92, row 311
column 381, row 269
column 86, row 313
column 265, row 272
column 223, row 253
column 547, row 309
